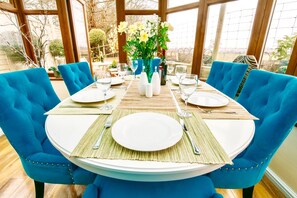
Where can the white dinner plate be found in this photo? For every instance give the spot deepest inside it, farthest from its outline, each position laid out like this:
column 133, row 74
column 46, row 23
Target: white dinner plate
column 116, row 81
column 175, row 81
column 206, row 99
column 91, row 95
column 147, row 131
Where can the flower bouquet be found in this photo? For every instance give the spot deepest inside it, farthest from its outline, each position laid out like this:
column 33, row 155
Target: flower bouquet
column 144, row 39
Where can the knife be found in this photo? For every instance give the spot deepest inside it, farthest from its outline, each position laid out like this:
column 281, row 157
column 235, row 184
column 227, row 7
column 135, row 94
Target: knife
column 194, row 146
column 81, row 106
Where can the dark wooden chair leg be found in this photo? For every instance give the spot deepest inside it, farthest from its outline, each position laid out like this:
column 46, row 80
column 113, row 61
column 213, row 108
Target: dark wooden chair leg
column 39, row 189
column 248, row 192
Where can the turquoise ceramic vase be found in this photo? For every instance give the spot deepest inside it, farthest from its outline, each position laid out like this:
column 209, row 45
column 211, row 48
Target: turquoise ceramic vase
column 147, row 63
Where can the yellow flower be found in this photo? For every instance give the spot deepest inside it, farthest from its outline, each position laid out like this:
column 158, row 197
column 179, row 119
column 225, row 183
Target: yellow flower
column 123, row 26
column 132, row 29
column 143, row 36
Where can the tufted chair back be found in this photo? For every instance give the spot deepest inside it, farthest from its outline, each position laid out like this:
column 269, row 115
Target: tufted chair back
column 76, row 76
column 25, row 97
column 272, row 98
column 226, row 76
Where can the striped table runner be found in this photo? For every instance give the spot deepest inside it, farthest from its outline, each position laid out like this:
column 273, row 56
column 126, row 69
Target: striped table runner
column 132, row 100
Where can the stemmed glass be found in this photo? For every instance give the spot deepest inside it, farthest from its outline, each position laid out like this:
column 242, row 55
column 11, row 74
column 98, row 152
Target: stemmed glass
column 122, row 70
column 134, row 67
column 103, row 83
column 170, row 68
column 187, row 85
column 180, row 70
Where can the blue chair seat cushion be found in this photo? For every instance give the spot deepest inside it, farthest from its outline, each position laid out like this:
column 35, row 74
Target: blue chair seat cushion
column 105, row 187
column 243, row 174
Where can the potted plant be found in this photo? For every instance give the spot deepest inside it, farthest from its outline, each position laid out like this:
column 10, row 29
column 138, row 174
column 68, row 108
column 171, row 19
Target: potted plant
column 56, row 49
column 56, row 71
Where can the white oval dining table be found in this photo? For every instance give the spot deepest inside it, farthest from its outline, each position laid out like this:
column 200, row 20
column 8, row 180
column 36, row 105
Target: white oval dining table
column 65, row 132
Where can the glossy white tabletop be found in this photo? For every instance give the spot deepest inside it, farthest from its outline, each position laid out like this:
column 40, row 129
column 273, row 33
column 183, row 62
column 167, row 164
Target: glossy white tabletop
column 65, row 132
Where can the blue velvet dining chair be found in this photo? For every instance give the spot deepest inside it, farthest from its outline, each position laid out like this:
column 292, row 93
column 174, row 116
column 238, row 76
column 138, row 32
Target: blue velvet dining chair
column 272, row 98
column 226, row 76
column 25, row 97
column 76, row 76
column 199, row 187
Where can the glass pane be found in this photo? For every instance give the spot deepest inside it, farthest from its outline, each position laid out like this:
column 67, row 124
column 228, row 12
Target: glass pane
column 47, row 40
column 182, row 38
column 135, row 18
column 281, row 37
column 175, row 3
column 12, row 53
column 40, row 4
column 141, row 5
column 108, row 43
column 80, row 30
column 228, row 32
column 7, row 1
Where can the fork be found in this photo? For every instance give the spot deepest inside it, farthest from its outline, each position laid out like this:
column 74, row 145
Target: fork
column 107, row 124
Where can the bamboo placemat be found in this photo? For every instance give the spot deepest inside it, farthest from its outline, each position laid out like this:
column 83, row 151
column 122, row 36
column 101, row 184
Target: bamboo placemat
column 211, row 150
column 69, row 107
column 232, row 111
column 133, row 100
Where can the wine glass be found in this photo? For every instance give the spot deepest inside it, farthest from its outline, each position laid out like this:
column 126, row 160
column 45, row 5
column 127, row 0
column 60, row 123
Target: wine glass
column 180, row 70
column 187, row 85
column 103, row 83
column 170, row 68
column 134, row 67
column 122, row 70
